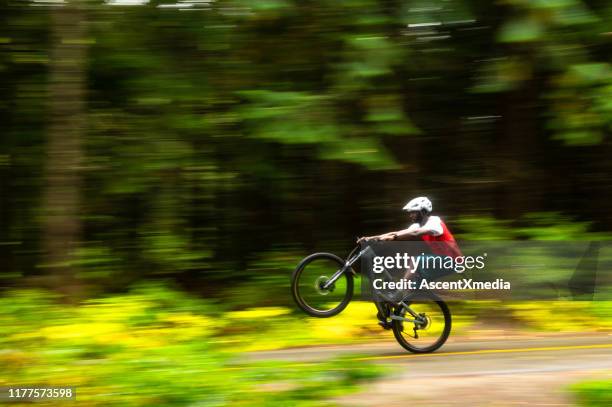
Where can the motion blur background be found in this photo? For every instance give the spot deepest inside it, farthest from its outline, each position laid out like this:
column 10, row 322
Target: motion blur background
column 164, row 166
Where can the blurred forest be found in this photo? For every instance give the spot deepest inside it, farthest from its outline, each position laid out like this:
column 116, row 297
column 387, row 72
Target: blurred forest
column 209, row 141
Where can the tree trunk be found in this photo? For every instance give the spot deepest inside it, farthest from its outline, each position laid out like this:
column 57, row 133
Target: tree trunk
column 61, row 223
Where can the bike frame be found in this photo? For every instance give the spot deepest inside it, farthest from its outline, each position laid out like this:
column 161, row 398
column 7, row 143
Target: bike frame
column 351, row 259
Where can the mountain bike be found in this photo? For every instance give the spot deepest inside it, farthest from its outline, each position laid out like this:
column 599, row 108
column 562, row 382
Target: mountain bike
column 322, row 286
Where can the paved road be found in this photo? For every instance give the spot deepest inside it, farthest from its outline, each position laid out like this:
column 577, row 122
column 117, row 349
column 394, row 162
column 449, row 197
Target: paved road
column 534, row 370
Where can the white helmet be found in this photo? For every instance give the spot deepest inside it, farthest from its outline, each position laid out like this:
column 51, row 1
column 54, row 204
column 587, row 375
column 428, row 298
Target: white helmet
column 419, row 203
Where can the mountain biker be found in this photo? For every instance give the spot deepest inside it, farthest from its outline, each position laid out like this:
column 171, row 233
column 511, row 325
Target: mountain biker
column 426, row 227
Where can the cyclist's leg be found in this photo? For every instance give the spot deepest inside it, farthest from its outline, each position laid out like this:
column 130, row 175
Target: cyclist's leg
column 383, row 313
column 382, row 307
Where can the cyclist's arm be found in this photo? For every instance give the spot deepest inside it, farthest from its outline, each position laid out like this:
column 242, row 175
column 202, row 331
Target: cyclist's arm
column 398, row 235
column 413, row 234
column 384, row 236
column 433, row 226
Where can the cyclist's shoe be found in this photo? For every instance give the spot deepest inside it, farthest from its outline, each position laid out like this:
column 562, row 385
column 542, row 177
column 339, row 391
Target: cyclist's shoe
column 386, row 325
column 382, row 321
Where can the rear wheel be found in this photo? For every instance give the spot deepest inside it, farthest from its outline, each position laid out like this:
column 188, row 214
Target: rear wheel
column 309, row 278
column 427, row 325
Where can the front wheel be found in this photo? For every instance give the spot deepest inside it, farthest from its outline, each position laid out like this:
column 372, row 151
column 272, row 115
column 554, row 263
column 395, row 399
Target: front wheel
column 421, row 324
column 309, row 278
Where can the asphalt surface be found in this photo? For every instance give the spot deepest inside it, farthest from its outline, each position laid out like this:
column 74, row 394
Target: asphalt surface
column 500, row 371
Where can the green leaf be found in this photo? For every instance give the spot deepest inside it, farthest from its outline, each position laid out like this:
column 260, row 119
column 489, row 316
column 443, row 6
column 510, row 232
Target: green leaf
column 580, row 138
column 550, row 4
column 592, row 72
column 364, row 151
column 521, row 30
column 575, row 14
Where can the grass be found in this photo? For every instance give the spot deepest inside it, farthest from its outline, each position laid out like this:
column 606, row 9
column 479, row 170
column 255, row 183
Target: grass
column 596, row 393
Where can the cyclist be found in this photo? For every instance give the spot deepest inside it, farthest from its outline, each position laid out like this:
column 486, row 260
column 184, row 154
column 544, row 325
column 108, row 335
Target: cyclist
column 426, row 227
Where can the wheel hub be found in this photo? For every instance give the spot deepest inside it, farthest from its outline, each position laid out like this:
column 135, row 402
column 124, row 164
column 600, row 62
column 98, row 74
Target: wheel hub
column 424, row 322
column 320, row 282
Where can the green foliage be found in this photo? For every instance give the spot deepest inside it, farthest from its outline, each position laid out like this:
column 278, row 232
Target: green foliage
column 593, row 393
column 502, row 75
column 216, row 134
column 583, row 101
column 523, row 30
column 554, row 35
column 484, row 228
column 364, row 151
column 554, row 226
column 587, row 316
column 289, row 117
column 531, row 226
column 152, row 346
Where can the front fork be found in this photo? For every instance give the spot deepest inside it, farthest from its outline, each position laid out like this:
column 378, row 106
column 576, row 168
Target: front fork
column 347, row 266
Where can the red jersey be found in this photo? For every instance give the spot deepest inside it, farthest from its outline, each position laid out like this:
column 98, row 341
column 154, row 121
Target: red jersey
column 443, row 244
